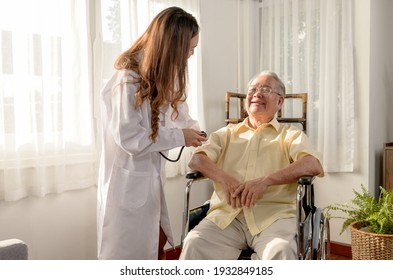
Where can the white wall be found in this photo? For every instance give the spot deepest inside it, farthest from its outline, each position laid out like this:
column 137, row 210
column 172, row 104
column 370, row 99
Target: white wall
column 55, row 227
column 219, row 57
column 64, row 226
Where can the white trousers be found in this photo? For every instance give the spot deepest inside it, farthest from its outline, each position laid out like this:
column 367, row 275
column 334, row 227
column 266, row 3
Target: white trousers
column 208, row 242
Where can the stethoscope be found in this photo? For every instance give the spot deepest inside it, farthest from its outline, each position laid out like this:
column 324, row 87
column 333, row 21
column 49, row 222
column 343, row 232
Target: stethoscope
column 181, row 150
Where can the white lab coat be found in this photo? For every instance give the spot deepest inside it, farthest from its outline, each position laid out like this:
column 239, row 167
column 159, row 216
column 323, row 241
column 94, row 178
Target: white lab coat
column 131, row 202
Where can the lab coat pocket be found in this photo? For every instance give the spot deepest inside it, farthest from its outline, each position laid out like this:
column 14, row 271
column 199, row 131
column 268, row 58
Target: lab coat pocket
column 132, row 188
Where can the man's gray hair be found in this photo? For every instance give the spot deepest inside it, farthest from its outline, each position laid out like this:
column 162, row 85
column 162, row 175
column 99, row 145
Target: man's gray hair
column 274, row 76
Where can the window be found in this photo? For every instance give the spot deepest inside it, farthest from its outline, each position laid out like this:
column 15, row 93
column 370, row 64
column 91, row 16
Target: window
column 53, row 65
column 47, row 141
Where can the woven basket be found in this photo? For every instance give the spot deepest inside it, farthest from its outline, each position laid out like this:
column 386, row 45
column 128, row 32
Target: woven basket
column 370, row 246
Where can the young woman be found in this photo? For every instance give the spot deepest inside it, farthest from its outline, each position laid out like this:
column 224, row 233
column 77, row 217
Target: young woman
column 144, row 113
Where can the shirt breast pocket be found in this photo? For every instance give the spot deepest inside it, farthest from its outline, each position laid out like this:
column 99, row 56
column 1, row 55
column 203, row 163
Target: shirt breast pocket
column 130, row 189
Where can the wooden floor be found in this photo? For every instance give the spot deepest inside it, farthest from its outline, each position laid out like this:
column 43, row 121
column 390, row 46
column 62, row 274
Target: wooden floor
column 338, row 257
column 338, row 252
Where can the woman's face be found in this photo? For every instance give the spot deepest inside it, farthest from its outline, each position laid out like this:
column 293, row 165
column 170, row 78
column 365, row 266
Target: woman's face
column 193, row 44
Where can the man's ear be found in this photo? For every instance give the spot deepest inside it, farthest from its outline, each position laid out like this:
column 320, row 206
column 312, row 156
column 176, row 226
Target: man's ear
column 280, row 101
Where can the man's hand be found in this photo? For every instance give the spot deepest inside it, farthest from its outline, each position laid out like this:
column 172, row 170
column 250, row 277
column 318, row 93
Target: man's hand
column 249, row 192
column 229, row 186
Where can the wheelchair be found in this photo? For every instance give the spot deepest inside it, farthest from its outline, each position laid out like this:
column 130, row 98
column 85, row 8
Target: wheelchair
column 313, row 228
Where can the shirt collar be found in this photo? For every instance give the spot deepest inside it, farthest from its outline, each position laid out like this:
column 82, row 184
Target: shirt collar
column 244, row 125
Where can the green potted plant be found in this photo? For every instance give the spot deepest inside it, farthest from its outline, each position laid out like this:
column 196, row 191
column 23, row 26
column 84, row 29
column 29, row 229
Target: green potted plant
column 370, row 221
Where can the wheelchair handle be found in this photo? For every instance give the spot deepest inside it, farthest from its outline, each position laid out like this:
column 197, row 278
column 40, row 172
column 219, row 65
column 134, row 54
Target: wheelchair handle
column 306, row 180
column 194, row 175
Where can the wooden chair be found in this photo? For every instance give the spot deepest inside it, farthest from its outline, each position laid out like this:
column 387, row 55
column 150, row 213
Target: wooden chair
column 290, row 100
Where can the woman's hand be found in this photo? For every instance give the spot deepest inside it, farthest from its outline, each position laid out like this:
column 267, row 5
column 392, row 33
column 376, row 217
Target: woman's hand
column 193, row 137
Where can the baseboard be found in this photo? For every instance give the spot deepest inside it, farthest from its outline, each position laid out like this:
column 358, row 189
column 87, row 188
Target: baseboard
column 340, row 249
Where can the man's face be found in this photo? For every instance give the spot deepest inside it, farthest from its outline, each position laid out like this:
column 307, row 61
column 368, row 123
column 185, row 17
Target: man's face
column 261, row 104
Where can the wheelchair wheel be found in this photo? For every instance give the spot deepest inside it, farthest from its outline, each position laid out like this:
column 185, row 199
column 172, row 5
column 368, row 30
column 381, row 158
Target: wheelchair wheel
column 320, row 249
column 316, row 234
column 325, row 239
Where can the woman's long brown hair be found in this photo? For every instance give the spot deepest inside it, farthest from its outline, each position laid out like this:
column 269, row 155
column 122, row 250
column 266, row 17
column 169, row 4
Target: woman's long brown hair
column 160, row 57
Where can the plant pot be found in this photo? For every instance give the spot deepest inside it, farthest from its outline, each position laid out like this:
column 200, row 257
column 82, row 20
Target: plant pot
column 370, row 246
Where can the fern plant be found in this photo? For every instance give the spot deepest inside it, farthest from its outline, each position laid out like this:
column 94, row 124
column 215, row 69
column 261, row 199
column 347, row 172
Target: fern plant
column 376, row 214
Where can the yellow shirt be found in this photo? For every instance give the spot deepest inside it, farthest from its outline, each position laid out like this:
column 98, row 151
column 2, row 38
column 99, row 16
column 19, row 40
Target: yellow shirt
column 248, row 153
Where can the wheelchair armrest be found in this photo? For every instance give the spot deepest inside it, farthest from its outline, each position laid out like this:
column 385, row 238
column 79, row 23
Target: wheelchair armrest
column 193, row 174
column 306, row 180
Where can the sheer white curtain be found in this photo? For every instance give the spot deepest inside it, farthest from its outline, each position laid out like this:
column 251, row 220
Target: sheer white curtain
column 309, row 44
column 46, row 136
column 122, row 23
column 248, row 32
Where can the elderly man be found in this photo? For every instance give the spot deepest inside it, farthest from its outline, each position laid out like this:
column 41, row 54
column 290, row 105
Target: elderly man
column 255, row 166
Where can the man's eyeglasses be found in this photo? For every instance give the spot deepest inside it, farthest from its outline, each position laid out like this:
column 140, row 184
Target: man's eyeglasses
column 265, row 90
